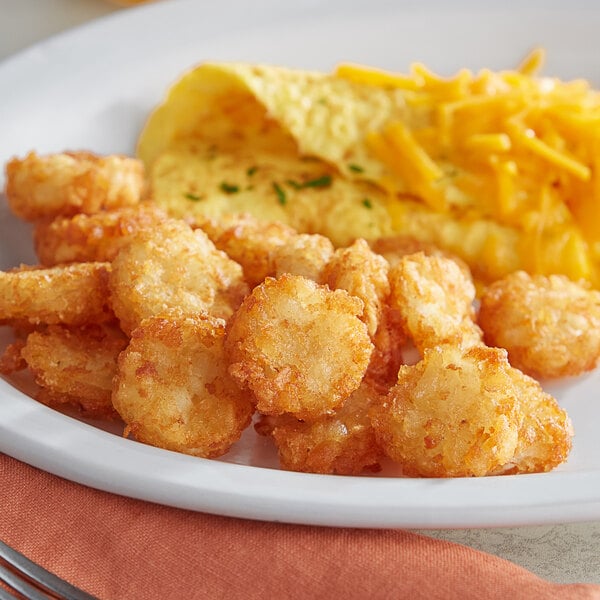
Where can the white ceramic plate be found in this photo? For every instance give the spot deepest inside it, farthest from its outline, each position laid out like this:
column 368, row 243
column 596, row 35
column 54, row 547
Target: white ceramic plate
column 93, row 87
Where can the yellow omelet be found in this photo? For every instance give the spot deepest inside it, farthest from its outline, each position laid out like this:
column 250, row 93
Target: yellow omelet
column 500, row 168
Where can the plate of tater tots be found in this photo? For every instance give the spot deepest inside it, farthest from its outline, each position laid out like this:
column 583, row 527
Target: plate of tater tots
column 335, row 266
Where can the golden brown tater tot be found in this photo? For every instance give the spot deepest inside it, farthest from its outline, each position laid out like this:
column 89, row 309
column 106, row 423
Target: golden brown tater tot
column 249, row 242
column 170, row 266
column 300, row 347
column 73, row 294
column 393, row 248
column 364, row 274
column 303, row 254
column 549, row 325
column 91, row 238
column 435, row 300
column 343, row 443
column 466, row 412
column 40, row 187
column 76, row 365
column 173, row 389
column 11, row 360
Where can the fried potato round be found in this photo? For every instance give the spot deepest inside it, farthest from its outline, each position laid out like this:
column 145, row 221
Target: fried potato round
column 91, row 238
column 170, row 266
column 173, row 390
column 364, row 274
column 300, row 347
column 248, row 241
column 303, row 254
column 546, row 432
column 435, row 301
column 466, row 412
column 73, row 294
column 550, row 325
column 389, row 344
column 76, row 366
column 39, row 187
column 343, row 443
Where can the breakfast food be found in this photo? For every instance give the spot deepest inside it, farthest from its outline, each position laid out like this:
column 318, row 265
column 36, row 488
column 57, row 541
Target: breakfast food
column 190, row 353
column 76, row 366
column 304, row 252
column 549, row 325
column 497, row 168
column 73, row 294
column 66, row 184
column 466, row 412
column 169, row 266
column 435, row 301
column 173, row 390
column 343, row 442
column 212, row 149
column 91, row 238
column 299, row 347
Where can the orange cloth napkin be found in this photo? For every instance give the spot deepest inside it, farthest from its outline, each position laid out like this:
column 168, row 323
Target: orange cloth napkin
column 125, row 549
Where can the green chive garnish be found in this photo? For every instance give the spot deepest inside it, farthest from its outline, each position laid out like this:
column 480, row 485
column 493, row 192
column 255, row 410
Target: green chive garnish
column 324, row 181
column 228, row 188
column 280, row 193
column 367, row 203
column 319, row 182
column 193, row 197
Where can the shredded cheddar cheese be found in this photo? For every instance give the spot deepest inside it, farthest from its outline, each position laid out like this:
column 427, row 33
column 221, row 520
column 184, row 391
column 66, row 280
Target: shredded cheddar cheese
column 509, row 148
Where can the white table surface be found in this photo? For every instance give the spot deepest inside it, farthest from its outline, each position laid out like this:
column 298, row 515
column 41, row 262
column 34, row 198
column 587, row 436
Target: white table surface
column 561, row 553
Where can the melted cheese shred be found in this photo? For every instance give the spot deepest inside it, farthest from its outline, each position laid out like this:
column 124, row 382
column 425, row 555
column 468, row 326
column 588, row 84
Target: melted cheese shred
column 512, row 149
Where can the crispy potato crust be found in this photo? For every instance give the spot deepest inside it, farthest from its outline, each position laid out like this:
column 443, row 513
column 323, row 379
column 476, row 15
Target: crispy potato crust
column 343, row 443
column 300, row 347
column 435, row 301
column 303, row 254
column 466, row 412
column 249, row 242
column 91, row 238
column 172, row 267
column 173, row 390
column 11, row 360
column 40, row 187
column 73, row 294
column 549, row 325
column 76, row 366
column 364, row 274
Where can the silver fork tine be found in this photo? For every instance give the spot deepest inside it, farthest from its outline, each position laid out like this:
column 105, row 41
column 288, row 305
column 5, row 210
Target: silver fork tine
column 43, row 578
column 17, row 583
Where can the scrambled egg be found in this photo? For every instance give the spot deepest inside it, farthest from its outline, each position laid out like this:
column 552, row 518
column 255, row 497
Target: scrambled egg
column 500, row 168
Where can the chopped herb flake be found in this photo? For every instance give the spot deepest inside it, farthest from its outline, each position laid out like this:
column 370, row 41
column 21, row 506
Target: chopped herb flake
column 251, row 171
column 319, row 182
column 356, row 168
column 193, row 197
column 324, row 181
column 228, row 188
column 367, row 203
column 280, row 193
